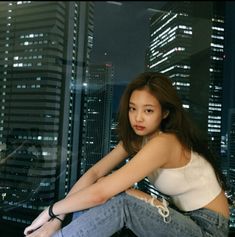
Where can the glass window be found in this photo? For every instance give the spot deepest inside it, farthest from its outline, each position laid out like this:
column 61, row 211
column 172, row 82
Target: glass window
column 55, row 130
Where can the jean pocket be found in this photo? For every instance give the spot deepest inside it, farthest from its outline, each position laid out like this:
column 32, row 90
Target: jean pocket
column 212, row 223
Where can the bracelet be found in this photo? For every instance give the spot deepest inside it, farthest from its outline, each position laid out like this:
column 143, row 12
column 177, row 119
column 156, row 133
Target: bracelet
column 52, row 214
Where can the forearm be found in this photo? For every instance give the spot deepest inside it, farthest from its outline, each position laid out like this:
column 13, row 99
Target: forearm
column 49, row 220
column 86, row 180
column 100, row 169
column 83, row 199
column 46, row 222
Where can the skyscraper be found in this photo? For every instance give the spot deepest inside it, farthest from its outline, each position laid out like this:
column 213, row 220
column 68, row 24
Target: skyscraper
column 231, row 163
column 44, row 52
column 224, row 154
column 170, row 46
column 231, row 148
column 187, row 44
column 97, row 115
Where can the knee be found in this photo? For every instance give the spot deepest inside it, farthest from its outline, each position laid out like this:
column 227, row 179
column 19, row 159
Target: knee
column 77, row 214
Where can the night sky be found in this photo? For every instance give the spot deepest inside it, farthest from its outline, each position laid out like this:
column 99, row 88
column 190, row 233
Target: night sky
column 121, row 37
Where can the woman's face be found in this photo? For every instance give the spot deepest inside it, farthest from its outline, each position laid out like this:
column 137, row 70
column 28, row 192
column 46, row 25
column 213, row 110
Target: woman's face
column 145, row 113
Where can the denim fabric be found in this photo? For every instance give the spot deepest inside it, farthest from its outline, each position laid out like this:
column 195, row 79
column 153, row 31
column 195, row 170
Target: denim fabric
column 144, row 220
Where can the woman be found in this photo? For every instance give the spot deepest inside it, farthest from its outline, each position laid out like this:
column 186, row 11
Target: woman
column 155, row 131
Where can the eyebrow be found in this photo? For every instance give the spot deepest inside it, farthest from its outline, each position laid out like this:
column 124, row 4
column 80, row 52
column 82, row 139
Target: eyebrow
column 131, row 103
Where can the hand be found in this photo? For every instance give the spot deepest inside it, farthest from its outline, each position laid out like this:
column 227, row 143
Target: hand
column 38, row 222
column 46, row 230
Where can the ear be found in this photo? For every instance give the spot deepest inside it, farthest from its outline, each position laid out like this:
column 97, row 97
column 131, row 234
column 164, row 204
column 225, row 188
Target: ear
column 165, row 114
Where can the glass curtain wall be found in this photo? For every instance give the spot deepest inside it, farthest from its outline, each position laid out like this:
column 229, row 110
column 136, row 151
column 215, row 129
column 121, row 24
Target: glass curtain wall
column 64, row 66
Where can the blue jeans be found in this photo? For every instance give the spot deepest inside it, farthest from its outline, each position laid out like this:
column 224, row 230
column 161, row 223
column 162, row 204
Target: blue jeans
column 143, row 220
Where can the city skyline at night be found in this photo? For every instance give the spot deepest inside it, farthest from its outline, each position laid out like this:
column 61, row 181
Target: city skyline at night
column 64, row 66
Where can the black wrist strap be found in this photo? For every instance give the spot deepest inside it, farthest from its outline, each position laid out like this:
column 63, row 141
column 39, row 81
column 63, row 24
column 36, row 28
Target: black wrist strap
column 51, row 213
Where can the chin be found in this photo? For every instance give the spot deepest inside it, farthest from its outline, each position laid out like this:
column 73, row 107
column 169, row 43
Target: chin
column 141, row 134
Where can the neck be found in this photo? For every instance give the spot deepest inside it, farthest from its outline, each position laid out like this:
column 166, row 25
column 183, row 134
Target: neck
column 151, row 136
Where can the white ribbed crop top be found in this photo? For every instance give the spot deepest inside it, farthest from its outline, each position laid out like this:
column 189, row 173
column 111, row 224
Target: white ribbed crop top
column 191, row 186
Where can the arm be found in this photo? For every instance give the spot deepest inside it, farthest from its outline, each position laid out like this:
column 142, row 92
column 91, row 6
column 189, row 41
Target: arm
column 155, row 154
column 100, row 169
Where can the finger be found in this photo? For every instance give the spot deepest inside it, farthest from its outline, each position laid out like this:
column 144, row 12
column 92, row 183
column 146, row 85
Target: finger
column 32, row 228
column 27, row 230
column 32, row 233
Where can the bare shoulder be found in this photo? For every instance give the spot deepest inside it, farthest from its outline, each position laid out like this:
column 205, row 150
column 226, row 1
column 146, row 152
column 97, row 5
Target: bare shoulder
column 177, row 154
column 167, row 143
column 167, row 139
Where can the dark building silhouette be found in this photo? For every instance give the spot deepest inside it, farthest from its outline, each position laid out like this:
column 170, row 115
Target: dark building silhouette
column 44, row 52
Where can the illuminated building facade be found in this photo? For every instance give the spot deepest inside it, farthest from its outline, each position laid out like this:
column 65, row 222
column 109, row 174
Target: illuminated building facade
column 231, row 164
column 97, row 115
column 216, row 69
column 170, row 48
column 44, row 50
column 231, row 148
column 187, row 44
column 224, row 154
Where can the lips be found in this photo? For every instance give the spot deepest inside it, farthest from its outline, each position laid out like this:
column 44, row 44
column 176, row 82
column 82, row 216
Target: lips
column 139, row 128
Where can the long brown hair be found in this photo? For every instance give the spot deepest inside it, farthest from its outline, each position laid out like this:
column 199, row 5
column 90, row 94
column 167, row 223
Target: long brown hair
column 177, row 122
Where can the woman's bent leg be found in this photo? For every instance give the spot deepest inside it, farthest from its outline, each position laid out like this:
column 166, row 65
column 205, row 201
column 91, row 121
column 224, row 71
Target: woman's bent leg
column 100, row 221
column 78, row 214
column 144, row 219
column 147, row 220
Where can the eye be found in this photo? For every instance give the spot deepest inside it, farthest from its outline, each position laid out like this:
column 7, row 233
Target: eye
column 131, row 108
column 148, row 111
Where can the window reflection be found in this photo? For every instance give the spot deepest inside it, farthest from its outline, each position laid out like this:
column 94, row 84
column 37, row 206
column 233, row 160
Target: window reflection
column 64, row 67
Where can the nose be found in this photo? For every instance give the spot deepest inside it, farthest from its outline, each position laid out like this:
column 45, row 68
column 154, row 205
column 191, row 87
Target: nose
column 139, row 116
